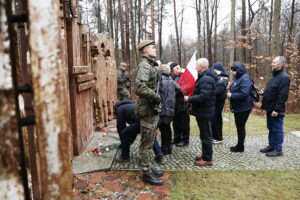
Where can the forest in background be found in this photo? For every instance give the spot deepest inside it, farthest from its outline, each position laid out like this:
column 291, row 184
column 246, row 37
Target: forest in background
column 254, row 32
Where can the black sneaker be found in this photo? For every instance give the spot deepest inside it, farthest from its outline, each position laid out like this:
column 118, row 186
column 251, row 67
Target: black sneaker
column 266, row 149
column 152, row 179
column 274, row 153
column 237, row 149
column 122, row 159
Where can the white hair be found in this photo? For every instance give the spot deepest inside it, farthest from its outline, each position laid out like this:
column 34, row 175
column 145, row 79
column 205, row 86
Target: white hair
column 203, row 62
column 281, row 60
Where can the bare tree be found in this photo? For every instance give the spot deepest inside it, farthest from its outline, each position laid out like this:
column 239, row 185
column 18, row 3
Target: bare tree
column 198, row 16
column 243, row 29
column 177, row 34
column 232, row 31
column 275, row 31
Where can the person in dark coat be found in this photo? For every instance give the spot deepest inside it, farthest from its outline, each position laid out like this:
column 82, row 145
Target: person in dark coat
column 274, row 97
column 181, row 120
column 203, row 108
column 221, row 84
column 125, row 112
column 167, row 91
column 241, row 102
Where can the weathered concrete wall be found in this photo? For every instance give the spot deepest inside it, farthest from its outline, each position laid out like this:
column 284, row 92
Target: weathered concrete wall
column 11, row 186
column 50, row 97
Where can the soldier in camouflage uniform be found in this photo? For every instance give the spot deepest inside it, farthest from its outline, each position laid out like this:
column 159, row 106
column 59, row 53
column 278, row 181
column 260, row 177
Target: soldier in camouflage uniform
column 122, row 91
column 148, row 108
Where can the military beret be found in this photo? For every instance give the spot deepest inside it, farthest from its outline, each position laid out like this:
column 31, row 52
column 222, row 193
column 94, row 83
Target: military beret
column 145, row 43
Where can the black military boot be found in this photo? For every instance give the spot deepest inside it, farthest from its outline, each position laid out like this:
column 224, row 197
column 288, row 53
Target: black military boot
column 152, row 179
column 157, row 173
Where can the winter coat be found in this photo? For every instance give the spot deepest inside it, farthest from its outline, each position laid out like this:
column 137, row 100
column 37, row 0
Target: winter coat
column 204, row 95
column 146, row 84
column 240, row 99
column 221, row 85
column 276, row 92
column 167, row 92
column 180, row 105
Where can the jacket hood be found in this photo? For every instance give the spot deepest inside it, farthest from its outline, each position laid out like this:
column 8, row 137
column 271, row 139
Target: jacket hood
column 165, row 73
column 239, row 68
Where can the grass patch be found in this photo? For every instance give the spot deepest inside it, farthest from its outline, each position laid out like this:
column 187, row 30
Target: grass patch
column 236, row 185
column 244, row 184
column 256, row 125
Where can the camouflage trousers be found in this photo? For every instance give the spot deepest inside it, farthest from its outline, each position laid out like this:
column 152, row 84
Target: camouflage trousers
column 148, row 134
column 123, row 94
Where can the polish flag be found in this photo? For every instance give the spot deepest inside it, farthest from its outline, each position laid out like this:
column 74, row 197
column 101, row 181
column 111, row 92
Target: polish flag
column 188, row 78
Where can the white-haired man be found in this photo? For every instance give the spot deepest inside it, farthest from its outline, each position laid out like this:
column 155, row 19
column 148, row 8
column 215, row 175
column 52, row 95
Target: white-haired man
column 275, row 96
column 203, row 108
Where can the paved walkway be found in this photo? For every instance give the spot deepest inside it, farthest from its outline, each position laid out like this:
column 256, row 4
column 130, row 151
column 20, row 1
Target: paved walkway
column 182, row 158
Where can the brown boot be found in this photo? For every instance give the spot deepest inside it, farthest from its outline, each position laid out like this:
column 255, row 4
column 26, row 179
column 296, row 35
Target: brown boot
column 203, row 163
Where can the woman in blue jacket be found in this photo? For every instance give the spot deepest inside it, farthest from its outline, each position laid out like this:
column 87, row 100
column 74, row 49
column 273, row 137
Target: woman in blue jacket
column 241, row 102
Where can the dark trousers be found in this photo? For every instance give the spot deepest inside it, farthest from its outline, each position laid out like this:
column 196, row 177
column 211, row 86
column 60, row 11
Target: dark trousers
column 240, row 123
column 127, row 137
column 181, row 127
column 217, row 122
column 206, row 138
column 166, row 136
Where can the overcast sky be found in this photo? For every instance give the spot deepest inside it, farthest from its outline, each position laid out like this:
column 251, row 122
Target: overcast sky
column 190, row 21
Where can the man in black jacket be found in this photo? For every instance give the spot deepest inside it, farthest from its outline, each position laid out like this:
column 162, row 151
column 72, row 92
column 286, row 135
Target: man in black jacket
column 203, row 108
column 274, row 98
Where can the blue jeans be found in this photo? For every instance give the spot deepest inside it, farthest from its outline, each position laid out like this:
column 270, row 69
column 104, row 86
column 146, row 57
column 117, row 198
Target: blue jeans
column 127, row 137
column 275, row 126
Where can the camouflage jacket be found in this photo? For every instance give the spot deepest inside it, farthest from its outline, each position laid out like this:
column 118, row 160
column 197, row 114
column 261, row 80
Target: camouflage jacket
column 121, row 78
column 146, row 85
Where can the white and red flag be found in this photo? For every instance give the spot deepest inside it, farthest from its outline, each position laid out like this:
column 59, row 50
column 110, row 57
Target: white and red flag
column 188, row 78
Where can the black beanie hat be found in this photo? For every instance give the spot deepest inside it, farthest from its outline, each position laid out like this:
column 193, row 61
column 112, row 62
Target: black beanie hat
column 172, row 65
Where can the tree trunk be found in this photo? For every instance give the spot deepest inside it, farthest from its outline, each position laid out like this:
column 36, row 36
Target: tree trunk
column 133, row 36
column 216, row 32
column 110, row 18
column 208, row 31
column 116, row 21
column 198, row 17
column 177, row 35
column 127, row 53
column 276, row 27
column 152, row 20
column 99, row 19
column 270, row 27
column 232, row 31
column 123, row 43
column 291, row 27
column 139, row 21
column 243, row 30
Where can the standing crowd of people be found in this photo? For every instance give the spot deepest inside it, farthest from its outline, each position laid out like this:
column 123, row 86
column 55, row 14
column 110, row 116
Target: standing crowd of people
column 161, row 103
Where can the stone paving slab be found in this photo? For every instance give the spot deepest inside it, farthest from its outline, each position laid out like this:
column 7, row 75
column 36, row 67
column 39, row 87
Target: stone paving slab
column 182, row 158
column 88, row 162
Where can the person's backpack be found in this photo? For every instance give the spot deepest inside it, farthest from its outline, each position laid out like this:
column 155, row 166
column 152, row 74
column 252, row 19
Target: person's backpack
column 254, row 93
